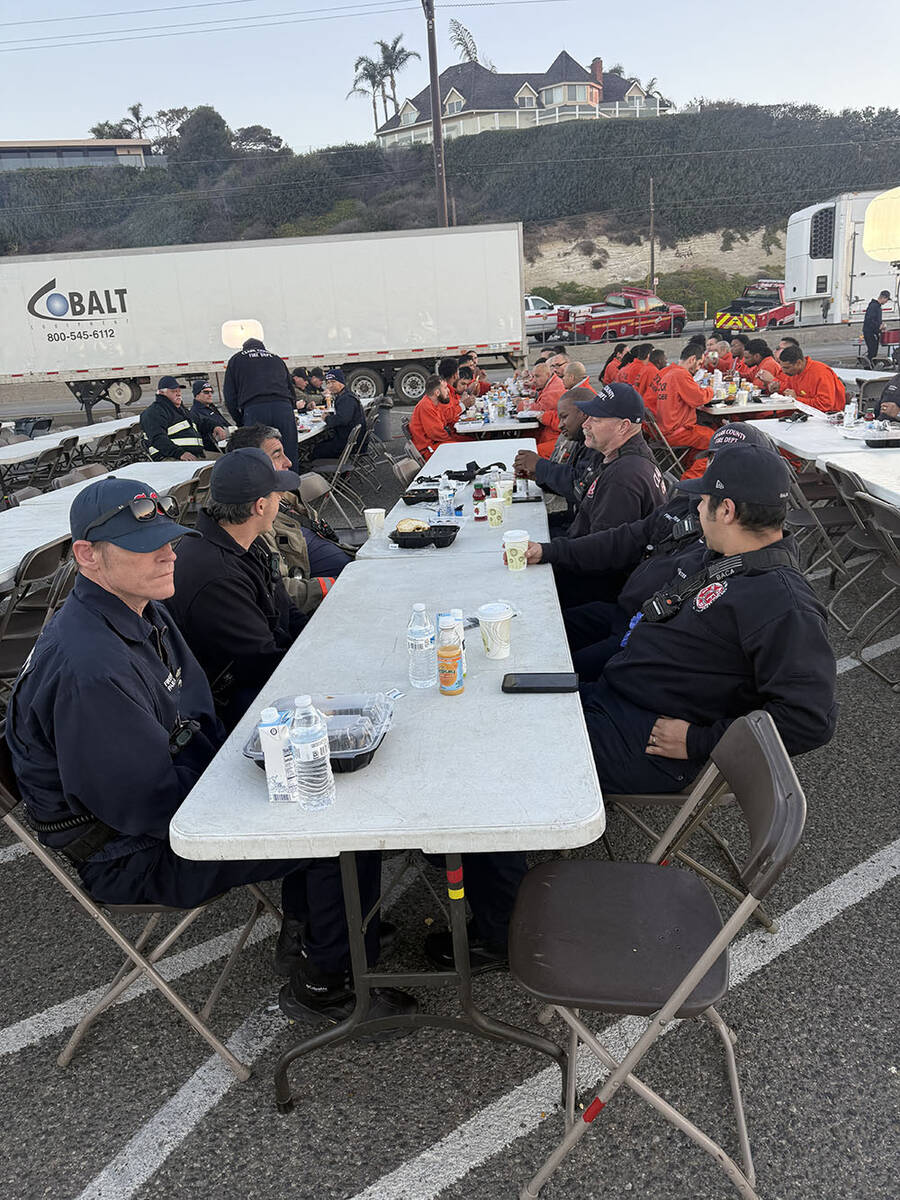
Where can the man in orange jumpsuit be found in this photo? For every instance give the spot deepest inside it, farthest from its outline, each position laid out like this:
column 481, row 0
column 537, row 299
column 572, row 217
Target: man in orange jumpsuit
column 811, row 381
column 434, row 417
column 762, row 367
column 649, row 380
column 678, row 398
column 575, row 376
column 739, row 344
column 548, row 387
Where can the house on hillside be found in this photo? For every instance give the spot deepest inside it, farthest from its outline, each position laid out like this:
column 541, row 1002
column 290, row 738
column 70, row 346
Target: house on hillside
column 474, row 99
column 85, row 152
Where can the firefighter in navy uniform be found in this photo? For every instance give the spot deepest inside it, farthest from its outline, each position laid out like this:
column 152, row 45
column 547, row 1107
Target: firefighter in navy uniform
column 744, row 632
column 110, row 725
column 171, row 431
column 258, row 390
column 623, row 484
column 648, row 549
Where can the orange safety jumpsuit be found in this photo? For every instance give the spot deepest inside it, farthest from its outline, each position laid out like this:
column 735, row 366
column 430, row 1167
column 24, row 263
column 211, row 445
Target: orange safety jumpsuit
column 816, row 385
column 431, row 424
column 549, row 418
column 611, row 371
column 678, row 398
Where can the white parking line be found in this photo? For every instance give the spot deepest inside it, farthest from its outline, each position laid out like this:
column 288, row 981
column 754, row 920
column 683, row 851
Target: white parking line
column 497, row 1125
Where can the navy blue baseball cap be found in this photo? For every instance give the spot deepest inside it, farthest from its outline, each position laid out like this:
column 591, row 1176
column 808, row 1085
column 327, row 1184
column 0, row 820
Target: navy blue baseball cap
column 743, row 473
column 167, row 383
column 103, row 512
column 335, row 373
column 246, row 475
column 200, row 385
column 615, row 400
column 740, row 433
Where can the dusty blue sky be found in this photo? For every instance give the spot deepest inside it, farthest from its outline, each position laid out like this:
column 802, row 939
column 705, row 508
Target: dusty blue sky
column 292, row 73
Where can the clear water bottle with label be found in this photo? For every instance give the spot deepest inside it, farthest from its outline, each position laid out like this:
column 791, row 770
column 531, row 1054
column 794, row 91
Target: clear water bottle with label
column 311, row 762
column 446, row 494
column 421, row 644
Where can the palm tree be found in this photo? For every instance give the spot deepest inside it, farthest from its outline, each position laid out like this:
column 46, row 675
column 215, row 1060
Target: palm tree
column 371, row 74
column 462, row 40
column 394, row 58
column 137, row 122
column 617, row 69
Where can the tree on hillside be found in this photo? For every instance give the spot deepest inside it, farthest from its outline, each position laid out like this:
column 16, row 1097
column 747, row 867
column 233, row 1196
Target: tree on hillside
column 259, row 139
column 369, row 80
column 110, row 129
column 617, row 69
column 394, row 58
column 462, row 40
column 204, row 144
column 167, row 122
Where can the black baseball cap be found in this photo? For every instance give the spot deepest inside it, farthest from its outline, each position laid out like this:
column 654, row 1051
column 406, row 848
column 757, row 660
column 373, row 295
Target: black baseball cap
column 335, row 374
column 245, row 475
column 743, row 473
column 123, row 528
column 167, row 383
column 615, row 400
column 199, row 385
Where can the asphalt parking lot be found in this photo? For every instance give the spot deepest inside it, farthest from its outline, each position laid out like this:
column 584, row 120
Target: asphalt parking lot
column 145, row 1111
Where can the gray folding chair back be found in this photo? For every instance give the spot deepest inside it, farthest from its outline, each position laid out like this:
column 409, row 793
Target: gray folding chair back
column 138, row 960
column 405, row 470
column 62, row 584
column 68, row 455
column 648, row 941
column 884, row 519
column 41, row 469
column 667, row 456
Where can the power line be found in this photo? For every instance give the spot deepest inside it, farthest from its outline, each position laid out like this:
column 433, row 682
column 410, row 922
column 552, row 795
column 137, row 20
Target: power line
column 127, row 12
column 186, row 29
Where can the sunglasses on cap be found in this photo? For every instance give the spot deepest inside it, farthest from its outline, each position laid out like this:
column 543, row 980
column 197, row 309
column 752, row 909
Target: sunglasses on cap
column 143, row 508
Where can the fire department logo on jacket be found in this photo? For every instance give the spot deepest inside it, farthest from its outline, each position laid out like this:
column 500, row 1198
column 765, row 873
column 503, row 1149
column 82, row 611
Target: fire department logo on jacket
column 707, row 595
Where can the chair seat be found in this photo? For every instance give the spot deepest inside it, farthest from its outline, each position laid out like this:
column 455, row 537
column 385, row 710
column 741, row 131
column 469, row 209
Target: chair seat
column 614, row 936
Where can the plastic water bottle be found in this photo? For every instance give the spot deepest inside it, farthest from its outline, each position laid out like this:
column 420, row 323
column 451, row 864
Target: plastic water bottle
column 309, row 746
column 457, row 615
column 449, row 655
column 420, row 642
column 446, row 493
column 851, row 411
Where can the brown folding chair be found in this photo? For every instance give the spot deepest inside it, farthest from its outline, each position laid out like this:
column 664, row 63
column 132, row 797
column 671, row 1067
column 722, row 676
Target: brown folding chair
column 138, row 961
column 668, row 457
column 649, row 941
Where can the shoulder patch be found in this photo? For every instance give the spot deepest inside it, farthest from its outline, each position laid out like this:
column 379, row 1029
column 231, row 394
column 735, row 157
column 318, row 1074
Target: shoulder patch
column 708, row 595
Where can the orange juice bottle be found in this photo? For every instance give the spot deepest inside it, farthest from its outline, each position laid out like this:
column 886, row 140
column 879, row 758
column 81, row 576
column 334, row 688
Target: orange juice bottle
column 449, row 656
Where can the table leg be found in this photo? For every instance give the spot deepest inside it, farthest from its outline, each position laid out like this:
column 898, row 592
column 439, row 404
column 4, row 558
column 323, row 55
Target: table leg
column 472, row 1020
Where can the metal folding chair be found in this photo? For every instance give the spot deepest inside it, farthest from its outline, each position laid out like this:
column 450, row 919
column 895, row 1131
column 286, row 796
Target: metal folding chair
column 138, row 961
column 649, row 941
column 26, row 607
column 668, row 457
column 885, row 520
column 860, row 538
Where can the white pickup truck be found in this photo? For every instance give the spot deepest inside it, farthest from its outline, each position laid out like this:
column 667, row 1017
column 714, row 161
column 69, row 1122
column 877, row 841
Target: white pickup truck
column 540, row 318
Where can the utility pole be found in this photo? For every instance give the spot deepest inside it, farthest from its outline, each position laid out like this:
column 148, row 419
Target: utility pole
column 652, row 240
column 437, row 128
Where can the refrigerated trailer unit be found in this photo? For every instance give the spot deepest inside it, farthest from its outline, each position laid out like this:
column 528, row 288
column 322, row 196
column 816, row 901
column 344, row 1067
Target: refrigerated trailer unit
column 385, row 307
column 830, row 278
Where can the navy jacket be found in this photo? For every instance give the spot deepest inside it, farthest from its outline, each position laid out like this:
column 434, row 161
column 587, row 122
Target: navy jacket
column 208, row 412
column 235, row 615
column 623, row 546
column 90, row 718
column 891, row 392
column 348, row 415
column 627, row 487
column 756, row 640
column 874, row 318
column 569, row 479
column 255, row 374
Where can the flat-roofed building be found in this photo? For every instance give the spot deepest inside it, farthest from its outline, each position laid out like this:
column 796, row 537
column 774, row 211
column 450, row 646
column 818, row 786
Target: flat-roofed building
column 84, row 152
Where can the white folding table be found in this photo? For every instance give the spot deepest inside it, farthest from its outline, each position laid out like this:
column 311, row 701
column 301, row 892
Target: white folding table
column 455, row 774
column 474, row 537
column 810, row 439
column 500, row 425
column 749, row 408
column 878, row 469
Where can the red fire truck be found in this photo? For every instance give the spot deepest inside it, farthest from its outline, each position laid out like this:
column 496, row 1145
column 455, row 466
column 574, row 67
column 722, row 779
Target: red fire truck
column 760, row 305
column 629, row 313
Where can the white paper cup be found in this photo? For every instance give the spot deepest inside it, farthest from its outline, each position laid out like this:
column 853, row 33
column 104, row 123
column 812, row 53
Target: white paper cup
column 515, row 543
column 374, row 521
column 494, row 620
column 505, row 486
column 495, row 512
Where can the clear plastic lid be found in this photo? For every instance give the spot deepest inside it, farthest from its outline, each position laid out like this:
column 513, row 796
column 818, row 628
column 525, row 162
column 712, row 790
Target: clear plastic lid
column 269, row 716
column 302, row 701
column 418, row 608
column 448, row 622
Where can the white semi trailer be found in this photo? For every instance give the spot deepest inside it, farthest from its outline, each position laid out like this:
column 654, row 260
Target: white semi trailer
column 385, row 307
column 830, row 278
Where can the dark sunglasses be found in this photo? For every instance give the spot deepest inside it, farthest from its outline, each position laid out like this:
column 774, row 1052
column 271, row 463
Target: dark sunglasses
column 143, row 508
column 206, row 390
